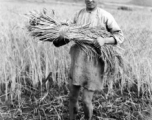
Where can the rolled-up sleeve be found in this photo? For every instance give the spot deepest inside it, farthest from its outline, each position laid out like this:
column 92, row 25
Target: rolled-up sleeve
column 60, row 42
column 114, row 29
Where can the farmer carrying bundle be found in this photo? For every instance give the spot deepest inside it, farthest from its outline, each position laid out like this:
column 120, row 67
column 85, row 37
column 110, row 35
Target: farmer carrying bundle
column 94, row 29
column 85, row 73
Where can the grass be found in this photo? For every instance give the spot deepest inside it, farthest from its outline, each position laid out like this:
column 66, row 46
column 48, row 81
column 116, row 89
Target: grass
column 33, row 75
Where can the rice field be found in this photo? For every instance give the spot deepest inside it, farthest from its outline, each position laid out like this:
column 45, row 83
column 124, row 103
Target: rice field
column 34, row 75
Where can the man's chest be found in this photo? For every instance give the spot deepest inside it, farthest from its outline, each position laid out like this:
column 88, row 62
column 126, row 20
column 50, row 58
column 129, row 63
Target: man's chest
column 93, row 19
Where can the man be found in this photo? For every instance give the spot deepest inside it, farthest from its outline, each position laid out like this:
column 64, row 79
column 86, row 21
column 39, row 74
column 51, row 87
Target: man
column 85, row 73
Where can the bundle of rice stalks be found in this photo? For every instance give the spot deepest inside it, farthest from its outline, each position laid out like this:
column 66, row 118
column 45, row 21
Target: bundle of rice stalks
column 46, row 27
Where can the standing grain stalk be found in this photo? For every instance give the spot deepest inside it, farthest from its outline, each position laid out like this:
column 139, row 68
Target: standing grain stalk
column 46, row 27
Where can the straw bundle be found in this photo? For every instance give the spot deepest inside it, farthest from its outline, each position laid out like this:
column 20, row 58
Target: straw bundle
column 46, row 27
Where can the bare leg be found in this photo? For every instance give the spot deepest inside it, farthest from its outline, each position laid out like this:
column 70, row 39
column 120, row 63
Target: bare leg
column 88, row 107
column 73, row 105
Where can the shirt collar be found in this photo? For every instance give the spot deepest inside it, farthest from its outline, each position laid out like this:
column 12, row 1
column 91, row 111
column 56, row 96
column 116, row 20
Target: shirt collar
column 91, row 11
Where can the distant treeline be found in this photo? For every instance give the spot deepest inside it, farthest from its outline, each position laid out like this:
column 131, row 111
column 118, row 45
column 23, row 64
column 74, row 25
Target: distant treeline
column 53, row 0
column 142, row 2
column 132, row 2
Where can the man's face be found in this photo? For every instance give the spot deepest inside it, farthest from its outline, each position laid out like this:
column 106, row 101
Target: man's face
column 91, row 4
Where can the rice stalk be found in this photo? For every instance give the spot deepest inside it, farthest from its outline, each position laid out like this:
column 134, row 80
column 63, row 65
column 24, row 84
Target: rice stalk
column 48, row 28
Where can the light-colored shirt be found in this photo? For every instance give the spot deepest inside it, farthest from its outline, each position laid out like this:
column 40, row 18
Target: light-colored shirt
column 99, row 18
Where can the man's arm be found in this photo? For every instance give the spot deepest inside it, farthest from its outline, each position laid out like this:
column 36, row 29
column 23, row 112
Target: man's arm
column 114, row 29
column 110, row 40
column 101, row 41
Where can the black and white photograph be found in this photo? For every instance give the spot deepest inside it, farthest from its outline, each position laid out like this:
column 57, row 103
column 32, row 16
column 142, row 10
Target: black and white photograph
column 75, row 59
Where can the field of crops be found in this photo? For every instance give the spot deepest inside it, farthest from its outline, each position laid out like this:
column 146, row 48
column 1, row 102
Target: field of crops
column 147, row 3
column 34, row 75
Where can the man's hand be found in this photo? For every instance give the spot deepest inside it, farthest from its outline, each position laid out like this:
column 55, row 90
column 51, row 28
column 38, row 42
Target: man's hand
column 63, row 30
column 101, row 41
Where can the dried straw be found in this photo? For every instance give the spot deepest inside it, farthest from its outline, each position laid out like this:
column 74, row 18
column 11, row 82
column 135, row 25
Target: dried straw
column 46, row 27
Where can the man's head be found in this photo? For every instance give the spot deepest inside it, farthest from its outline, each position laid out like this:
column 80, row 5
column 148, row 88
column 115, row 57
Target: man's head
column 91, row 4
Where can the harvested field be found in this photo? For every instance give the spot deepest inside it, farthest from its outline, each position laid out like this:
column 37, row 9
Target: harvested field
column 33, row 75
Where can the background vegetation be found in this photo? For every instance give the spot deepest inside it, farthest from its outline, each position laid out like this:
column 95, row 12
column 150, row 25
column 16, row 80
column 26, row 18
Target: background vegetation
column 147, row 3
column 33, row 75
